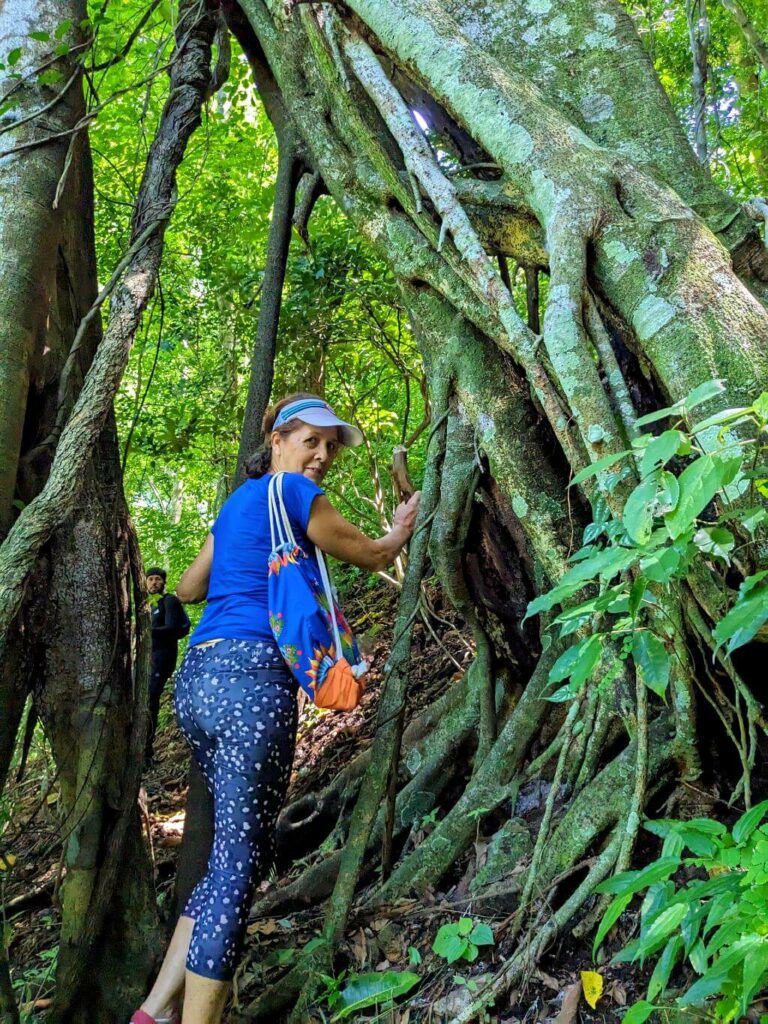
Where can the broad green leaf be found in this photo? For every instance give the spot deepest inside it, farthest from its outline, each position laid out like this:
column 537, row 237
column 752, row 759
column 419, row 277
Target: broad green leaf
column 40, row 37
column 449, row 944
column 755, row 968
column 636, row 596
column 464, row 926
column 726, row 416
column 749, row 821
column 662, row 567
column 760, row 407
column 639, row 1013
column 715, row 540
column 662, row 925
column 699, row 483
column 633, row 881
column 668, row 493
column 597, row 467
column 557, row 595
column 14, row 56
column 660, row 450
column 664, row 966
column 703, row 393
column 638, row 511
column 659, row 414
column 614, row 911
column 62, row 28
column 482, row 935
column 651, row 660
column 564, row 693
column 744, row 619
column 373, row 989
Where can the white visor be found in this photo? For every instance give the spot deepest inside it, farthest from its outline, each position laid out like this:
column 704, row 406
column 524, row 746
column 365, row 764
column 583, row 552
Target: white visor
column 318, row 415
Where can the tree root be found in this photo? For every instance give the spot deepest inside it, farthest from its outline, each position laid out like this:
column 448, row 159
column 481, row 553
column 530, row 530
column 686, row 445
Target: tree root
column 308, row 820
column 490, row 785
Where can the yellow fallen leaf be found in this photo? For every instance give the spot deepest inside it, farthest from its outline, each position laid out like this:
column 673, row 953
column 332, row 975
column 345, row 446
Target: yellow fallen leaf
column 7, row 861
column 593, row 987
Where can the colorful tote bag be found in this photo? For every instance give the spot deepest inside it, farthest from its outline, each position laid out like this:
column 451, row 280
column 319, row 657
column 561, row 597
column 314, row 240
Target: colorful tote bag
column 311, row 632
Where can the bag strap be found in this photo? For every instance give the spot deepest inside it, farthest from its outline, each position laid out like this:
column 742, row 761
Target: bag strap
column 329, row 597
column 280, row 531
column 280, row 525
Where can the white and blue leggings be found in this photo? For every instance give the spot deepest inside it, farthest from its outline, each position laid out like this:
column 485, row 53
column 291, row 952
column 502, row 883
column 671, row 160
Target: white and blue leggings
column 236, row 705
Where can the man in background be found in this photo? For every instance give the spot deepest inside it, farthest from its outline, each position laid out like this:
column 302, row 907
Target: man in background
column 169, row 624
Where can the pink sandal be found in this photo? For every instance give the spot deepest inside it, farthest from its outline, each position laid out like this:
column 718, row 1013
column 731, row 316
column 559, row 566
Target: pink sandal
column 142, row 1017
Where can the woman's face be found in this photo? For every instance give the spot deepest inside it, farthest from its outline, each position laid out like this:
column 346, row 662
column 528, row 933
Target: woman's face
column 307, row 450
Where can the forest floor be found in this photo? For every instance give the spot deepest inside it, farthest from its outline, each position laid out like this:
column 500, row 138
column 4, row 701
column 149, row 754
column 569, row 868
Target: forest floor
column 396, row 938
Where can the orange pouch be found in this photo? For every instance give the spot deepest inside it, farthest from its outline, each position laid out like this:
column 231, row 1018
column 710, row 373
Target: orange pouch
column 340, row 690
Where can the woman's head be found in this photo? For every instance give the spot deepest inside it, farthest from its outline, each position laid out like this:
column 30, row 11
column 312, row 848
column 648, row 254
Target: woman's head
column 302, row 434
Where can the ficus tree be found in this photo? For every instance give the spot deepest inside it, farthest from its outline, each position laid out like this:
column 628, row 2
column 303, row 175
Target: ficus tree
column 456, row 138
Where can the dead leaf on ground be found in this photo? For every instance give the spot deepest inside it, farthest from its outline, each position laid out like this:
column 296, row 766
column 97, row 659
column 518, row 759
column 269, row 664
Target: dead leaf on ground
column 548, row 980
column 570, row 1004
column 266, row 927
column 617, row 993
column 359, row 947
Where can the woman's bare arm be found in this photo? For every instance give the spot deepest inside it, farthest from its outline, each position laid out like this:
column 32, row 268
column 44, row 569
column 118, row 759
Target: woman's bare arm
column 193, row 585
column 338, row 537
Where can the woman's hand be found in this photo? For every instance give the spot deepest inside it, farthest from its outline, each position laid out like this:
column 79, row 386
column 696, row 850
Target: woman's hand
column 406, row 512
column 338, row 537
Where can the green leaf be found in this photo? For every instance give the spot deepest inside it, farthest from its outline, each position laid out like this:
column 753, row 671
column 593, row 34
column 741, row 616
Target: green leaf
column 464, row 926
column 703, row 393
column 373, row 989
column 668, row 493
column 50, row 77
column 749, row 821
column 636, row 596
column 597, row 467
column 414, row 956
column 755, row 968
column 614, row 911
column 664, row 967
column 14, row 56
column 651, row 660
column 662, row 925
column 715, row 540
column 726, row 416
column 747, row 615
column 660, row 414
column 449, row 944
column 40, row 37
column 760, row 407
column 660, row 450
column 638, row 1013
column 62, row 29
column 638, row 511
column 633, row 881
column 564, row 693
column 482, row 935
column 663, row 567
column 567, row 661
column 699, row 483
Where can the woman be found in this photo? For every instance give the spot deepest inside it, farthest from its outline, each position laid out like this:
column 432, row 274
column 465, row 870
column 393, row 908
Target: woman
column 236, row 700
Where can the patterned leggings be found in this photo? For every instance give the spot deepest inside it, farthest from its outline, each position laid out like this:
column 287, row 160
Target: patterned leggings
column 236, row 705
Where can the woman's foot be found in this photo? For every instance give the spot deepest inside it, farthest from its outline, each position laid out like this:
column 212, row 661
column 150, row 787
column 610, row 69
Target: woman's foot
column 170, row 1015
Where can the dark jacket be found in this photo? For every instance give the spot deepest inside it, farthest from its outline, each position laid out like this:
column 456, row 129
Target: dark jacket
column 169, row 624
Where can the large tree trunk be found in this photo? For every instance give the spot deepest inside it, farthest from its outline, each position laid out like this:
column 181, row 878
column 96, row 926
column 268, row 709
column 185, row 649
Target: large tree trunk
column 71, row 646
column 75, row 625
column 656, row 280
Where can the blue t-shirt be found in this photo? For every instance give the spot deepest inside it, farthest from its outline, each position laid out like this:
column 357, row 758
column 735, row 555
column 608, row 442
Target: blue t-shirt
column 237, row 606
